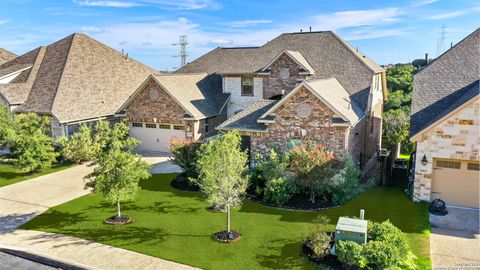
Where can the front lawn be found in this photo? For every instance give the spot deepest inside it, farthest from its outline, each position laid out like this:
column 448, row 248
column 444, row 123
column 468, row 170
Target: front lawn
column 11, row 174
column 175, row 225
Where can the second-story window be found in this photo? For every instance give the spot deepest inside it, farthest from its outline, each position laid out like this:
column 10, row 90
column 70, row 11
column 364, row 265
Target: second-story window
column 247, row 85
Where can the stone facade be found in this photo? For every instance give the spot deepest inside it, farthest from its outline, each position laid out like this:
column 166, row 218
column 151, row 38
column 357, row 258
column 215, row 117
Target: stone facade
column 288, row 124
column 455, row 138
column 233, row 85
column 274, row 84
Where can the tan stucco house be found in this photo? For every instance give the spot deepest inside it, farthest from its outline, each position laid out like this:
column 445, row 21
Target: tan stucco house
column 445, row 125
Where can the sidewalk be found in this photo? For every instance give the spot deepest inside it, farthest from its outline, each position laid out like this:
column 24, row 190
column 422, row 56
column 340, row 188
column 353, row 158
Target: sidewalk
column 84, row 252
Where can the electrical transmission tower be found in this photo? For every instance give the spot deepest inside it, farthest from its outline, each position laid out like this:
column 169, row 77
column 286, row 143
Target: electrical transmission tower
column 441, row 41
column 183, row 50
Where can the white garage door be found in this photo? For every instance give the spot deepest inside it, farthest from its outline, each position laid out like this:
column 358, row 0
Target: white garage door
column 457, row 182
column 155, row 137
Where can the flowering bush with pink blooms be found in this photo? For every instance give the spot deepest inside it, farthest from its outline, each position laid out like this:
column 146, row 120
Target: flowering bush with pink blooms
column 313, row 164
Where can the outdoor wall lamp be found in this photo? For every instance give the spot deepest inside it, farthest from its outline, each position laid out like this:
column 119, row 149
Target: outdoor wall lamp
column 424, row 159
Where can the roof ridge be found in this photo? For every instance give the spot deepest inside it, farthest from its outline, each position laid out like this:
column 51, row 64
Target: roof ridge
column 180, row 74
column 249, row 107
column 449, row 50
column 63, row 71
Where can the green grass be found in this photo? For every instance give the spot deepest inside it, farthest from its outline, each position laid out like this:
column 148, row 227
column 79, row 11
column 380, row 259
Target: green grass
column 175, row 225
column 10, row 174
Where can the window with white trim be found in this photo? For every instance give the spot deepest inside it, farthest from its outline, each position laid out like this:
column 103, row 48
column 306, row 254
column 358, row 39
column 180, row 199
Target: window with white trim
column 247, row 85
column 136, row 124
column 151, row 125
column 473, row 166
column 448, row 164
column 163, row 126
column 179, row 127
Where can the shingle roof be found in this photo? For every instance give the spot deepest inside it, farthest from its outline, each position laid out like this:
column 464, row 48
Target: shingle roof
column 451, row 78
column 297, row 57
column 332, row 94
column 16, row 92
column 81, row 78
column 201, row 95
column 6, row 56
column 327, row 54
column 246, row 119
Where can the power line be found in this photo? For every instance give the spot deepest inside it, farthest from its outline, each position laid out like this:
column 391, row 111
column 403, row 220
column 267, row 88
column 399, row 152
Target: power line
column 441, row 41
column 183, row 50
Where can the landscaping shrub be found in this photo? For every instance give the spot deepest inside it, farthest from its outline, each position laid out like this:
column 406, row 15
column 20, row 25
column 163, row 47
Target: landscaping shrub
column 279, row 190
column 351, row 254
column 346, row 182
column 185, row 155
column 386, row 248
column 312, row 162
column 319, row 243
column 271, row 178
column 80, row 147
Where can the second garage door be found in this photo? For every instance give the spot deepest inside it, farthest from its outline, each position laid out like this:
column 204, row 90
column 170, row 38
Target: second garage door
column 155, row 137
column 456, row 182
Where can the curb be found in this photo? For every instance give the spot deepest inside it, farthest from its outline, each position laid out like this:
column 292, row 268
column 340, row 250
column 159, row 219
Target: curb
column 44, row 259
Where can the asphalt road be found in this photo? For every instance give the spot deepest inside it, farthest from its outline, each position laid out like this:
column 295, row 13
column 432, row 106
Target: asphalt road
column 8, row 262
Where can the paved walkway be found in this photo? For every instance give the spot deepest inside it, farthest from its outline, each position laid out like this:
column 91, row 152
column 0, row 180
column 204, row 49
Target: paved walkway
column 455, row 239
column 23, row 201
column 86, row 253
column 161, row 162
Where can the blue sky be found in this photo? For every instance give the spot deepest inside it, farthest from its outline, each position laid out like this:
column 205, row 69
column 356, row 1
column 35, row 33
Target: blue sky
column 387, row 31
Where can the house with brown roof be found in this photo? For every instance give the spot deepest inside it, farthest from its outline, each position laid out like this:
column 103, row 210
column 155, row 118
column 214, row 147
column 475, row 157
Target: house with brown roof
column 298, row 86
column 445, row 125
column 6, row 56
column 74, row 80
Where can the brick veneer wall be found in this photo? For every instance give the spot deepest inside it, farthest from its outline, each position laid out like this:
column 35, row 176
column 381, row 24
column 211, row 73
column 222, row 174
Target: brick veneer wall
column 164, row 109
column 289, row 125
column 452, row 139
column 274, row 84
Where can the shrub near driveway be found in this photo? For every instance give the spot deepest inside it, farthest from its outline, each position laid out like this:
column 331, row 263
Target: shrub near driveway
column 175, row 225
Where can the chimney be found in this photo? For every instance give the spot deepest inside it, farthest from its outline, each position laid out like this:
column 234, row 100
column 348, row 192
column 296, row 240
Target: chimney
column 310, row 29
column 426, row 58
column 126, row 57
column 301, row 30
column 122, row 50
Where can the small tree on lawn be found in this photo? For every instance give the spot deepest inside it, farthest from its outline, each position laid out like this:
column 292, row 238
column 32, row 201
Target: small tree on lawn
column 80, row 147
column 222, row 166
column 7, row 126
column 117, row 176
column 32, row 146
column 106, row 136
column 313, row 164
column 185, row 156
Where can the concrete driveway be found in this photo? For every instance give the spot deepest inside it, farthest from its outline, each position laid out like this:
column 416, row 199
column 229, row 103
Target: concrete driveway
column 455, row 239
column 161, row 162
column 23, row 201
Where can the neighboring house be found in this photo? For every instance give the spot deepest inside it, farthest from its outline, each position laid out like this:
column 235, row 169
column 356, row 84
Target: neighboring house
column 6, row 56
column 299, row 85
column 175, row 106
column 445, row 125
column 74, row 80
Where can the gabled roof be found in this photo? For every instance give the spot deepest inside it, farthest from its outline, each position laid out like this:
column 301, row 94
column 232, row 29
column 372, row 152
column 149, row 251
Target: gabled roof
column 26, row 67
column 446, row 83
column 326, row 53
column 198, row 94
column 246, row 120
column 295, row 56
column 6, row 56
column 80, row 78
column 332, row 94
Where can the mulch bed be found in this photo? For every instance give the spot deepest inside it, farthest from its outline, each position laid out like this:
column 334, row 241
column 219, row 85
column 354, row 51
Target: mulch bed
column 182, row 183
column 114, row 220
column 297, row 202
column 225, row 238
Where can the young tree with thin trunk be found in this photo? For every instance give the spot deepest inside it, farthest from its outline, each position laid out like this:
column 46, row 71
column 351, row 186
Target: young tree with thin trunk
column 118, row 171
column 222, row 167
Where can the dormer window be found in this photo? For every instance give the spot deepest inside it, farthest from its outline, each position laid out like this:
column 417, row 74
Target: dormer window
column 247, row 85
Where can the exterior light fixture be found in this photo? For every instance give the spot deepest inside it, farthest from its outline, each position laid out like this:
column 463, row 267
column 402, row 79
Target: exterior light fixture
column 424, row 159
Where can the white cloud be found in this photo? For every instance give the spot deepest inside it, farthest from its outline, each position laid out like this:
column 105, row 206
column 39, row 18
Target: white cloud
column 117, row 4
column 454, row 14
column 247, row 23
column 3, row 21
column 374, row 33
column 355, row 18
column 420, row 3
column 91, row 29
